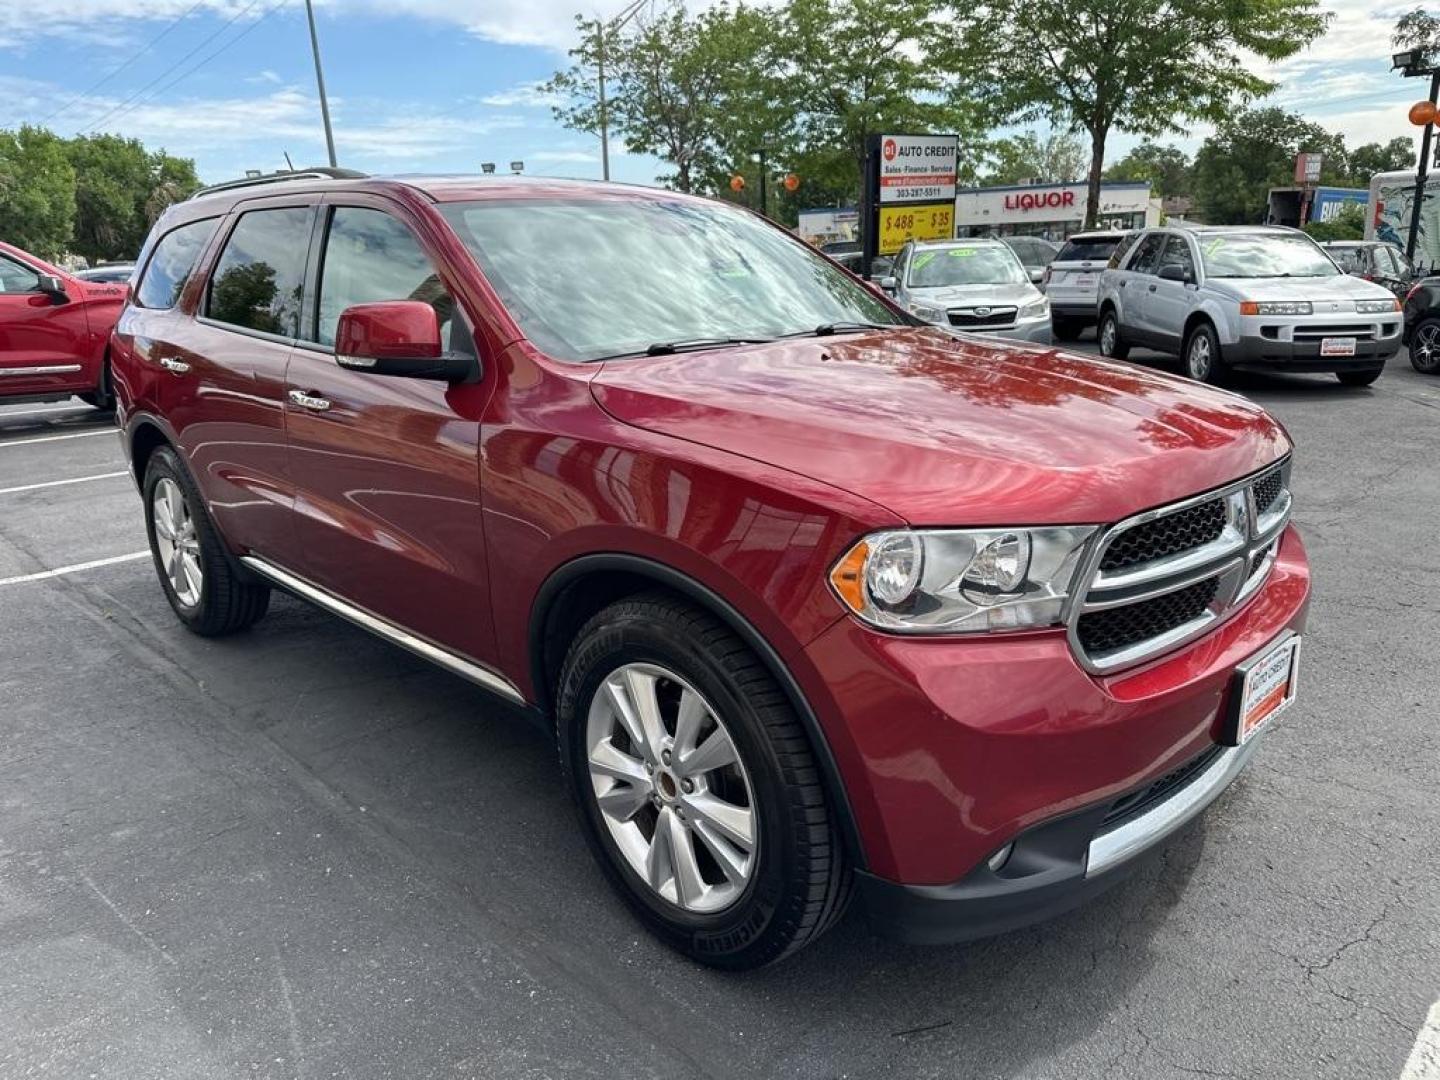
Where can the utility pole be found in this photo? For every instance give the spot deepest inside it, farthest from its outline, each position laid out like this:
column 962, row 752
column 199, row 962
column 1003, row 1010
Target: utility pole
column 320, row 83
column 764, row 203
column 1421, row 172
column 601, row 27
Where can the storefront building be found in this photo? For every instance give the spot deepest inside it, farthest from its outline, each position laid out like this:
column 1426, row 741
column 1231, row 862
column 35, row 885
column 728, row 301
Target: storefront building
column 1053, row 211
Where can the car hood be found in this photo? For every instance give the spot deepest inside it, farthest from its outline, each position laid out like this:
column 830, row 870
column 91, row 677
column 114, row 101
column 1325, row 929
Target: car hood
column 945, row 430
column 1343, row 289
column 1012, row 294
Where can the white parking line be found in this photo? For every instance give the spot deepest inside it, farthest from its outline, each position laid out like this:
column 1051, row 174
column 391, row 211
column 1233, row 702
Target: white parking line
column 57, row 438
column 43, row 410
column 62, row 483
column 76, row 568
column 1424, row 1060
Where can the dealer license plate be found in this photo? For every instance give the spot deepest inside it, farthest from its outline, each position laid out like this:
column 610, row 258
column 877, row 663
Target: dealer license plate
column 1265, row 687
column 1084, row 281
column 1337, row 346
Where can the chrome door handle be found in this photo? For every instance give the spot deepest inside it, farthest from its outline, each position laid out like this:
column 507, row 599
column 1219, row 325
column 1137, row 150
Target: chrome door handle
column 177, row 367
column 309, row 401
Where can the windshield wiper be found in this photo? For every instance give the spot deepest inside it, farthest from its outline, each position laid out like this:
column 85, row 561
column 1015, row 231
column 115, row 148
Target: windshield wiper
column 843, row 327
column 665, row 348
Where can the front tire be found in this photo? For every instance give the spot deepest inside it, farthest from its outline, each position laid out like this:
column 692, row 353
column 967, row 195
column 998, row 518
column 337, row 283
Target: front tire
column 103, row 396
column 1201, row 355
column 697, row 787
column 1359, row 378
column 1425, row 347
column 202, row 586
column 1112, row 344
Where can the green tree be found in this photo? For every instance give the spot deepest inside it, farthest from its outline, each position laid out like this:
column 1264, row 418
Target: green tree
column 1057, row 157
column 120, row 188
column 1347, row 224
column 1167, row 168
column 1252, row 152
column 1135, row 65
column 1418, row 29
column 1371, row 158
column 37, row 191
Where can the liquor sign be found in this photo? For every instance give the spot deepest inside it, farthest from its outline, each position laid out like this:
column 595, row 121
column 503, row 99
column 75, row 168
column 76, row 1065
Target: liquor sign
column 909, row 192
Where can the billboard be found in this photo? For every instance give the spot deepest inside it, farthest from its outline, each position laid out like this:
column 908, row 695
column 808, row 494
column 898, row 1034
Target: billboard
column 909, row 191
column 1392, row 200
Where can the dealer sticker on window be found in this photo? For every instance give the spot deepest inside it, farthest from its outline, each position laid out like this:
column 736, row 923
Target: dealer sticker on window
column 1264, row 688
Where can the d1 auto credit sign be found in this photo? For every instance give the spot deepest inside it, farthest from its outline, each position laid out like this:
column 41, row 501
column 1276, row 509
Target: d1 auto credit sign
column 918, row 168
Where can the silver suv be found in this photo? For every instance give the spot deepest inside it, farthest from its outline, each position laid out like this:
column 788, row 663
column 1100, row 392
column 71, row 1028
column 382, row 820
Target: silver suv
column 1246, row 297
column 976, row 285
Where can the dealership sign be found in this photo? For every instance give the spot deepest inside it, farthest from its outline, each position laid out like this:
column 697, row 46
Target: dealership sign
column 909, row 191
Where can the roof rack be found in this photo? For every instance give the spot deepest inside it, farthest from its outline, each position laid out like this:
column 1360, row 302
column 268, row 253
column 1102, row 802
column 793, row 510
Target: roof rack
column 318, row 173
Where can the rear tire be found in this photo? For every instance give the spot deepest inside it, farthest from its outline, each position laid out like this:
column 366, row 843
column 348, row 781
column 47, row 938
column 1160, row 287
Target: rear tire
column 1112, row 342
column 777, row 879
column 1066, row 330
column 202, row 586
column 1359, row 378
column 1425, row 347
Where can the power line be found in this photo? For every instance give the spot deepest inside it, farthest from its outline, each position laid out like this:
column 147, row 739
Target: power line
column 206, row 41
column 116, row 71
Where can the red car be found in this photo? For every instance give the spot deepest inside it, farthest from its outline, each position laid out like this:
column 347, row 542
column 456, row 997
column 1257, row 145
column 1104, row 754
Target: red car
column 54, row 331
column 816, row 601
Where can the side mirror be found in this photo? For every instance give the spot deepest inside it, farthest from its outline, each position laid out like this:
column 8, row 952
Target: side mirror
column 53, row 287
column 889, row 284
column 1176, row 273
column 396, row 337
column 1037, row 274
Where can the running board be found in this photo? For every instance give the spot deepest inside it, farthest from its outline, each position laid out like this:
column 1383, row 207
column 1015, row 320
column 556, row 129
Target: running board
column 452, row 662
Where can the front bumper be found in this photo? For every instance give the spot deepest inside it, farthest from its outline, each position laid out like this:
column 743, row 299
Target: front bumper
column 1033, row 330
column 1267, row 343
column 951, row 749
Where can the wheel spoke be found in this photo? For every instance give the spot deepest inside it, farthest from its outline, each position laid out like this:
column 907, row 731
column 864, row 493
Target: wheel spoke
column 734, row 823
column 164, row 527
column 641, row 685
column 173, row 569
column 715, row 752
column 190, row 567
column 733, row 862
column 658, row 867
column 689, row 885
column 625, row 712
column 689, row 719
column 176, row 503
column 623, row 800
column 606, row 760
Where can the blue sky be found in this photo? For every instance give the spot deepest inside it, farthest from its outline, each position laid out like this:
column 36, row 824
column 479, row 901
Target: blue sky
column 442, row 85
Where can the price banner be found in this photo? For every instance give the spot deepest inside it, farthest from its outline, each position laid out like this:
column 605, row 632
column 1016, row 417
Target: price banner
column 932, row 221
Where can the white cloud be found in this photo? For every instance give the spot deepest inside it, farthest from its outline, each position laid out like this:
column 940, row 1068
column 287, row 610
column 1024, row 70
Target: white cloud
column 266, row 76
column 529, row 95
column 565, row 156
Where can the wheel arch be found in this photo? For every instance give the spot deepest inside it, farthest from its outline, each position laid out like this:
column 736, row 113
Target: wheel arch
column 145, row 437
column 578, row 589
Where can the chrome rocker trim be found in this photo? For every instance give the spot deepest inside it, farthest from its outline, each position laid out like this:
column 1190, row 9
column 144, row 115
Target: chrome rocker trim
column 452, row 662
column 44, row 369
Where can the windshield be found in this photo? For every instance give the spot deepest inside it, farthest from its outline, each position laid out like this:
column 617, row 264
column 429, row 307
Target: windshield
column 1262, row 255
column 1351, row 260
column 589, row 279
column 1093, row 249
column 988, row 264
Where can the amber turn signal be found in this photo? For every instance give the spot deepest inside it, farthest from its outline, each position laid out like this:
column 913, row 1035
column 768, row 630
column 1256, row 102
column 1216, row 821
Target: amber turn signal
column 848, row 577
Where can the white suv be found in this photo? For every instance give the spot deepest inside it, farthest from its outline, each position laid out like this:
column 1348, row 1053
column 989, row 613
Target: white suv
column 1248, row 297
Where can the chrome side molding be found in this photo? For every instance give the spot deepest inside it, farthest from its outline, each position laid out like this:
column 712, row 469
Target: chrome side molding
column 43, row 369
column 397, row 635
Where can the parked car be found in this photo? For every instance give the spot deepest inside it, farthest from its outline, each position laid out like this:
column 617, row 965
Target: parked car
column 1072, row 280
column 1035, row 254
column 973, row 285
column 1422, row 325
column 1382, row 263
column 880, row 267
column 1250, row 298
column 107, row 272
column 816, row 601
column 54, row 331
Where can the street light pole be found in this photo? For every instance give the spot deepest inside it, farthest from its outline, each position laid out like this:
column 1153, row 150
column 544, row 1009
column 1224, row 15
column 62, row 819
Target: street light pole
column 1422, row 171
column 320, row 83
column 600, row 27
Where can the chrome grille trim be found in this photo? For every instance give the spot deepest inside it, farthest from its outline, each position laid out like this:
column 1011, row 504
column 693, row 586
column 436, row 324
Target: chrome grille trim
column 1241, row 558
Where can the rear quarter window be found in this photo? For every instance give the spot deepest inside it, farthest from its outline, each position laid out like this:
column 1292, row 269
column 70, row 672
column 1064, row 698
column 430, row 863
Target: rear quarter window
column 171, row 263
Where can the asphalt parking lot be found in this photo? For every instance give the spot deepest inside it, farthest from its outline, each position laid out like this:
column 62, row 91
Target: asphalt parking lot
column 302, row 853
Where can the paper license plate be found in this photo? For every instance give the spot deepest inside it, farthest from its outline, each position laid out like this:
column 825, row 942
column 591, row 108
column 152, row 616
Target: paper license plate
column 1264, row 687
column 1084, row 281
column 1337, row 346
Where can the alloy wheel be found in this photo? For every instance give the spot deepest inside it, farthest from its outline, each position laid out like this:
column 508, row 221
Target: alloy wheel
column 176, row 542
column 1198, row 358
column 1108, row 335
column 1425, row 349
column 671, row 788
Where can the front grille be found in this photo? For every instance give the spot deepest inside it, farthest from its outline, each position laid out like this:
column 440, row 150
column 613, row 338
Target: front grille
column 995, row 318
column 1168, row 535
column 1313, row 333
column 1118, row 628
column 1137, row 802
column 1168, row 576
column 1267, row 489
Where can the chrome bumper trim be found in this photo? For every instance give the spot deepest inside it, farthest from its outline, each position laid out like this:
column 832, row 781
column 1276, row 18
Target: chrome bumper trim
column 1130, row 838
column 453, row 662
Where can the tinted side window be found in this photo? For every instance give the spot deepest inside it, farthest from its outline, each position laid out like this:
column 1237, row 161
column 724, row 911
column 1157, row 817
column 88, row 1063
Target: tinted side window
column 17, row 278
column 1147, row 256
column 1177, row 253
column 1350, row 260
column 258, row 279
column 370, row 256
column 170, row 264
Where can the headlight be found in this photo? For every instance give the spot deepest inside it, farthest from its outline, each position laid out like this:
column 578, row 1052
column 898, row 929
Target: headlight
column 1377, row 307
column 956, row 581
column 928, row 313
column 1035, row 308
column 1276, row 307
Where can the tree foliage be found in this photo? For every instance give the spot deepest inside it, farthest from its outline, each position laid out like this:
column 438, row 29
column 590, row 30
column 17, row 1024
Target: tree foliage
column 1347, row 224
column 1418, row 29
column 37, row 191
column 1372, row 158
column 1166, row 168
column 1060, row 156
column 1143, row 66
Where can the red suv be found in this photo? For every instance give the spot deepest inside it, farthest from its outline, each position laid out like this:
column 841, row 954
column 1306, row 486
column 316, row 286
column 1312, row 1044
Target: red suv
column 815, row 600
column 54, row 331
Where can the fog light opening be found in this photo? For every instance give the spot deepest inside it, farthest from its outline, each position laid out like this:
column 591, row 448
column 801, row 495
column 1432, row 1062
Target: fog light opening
column 997, row 861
